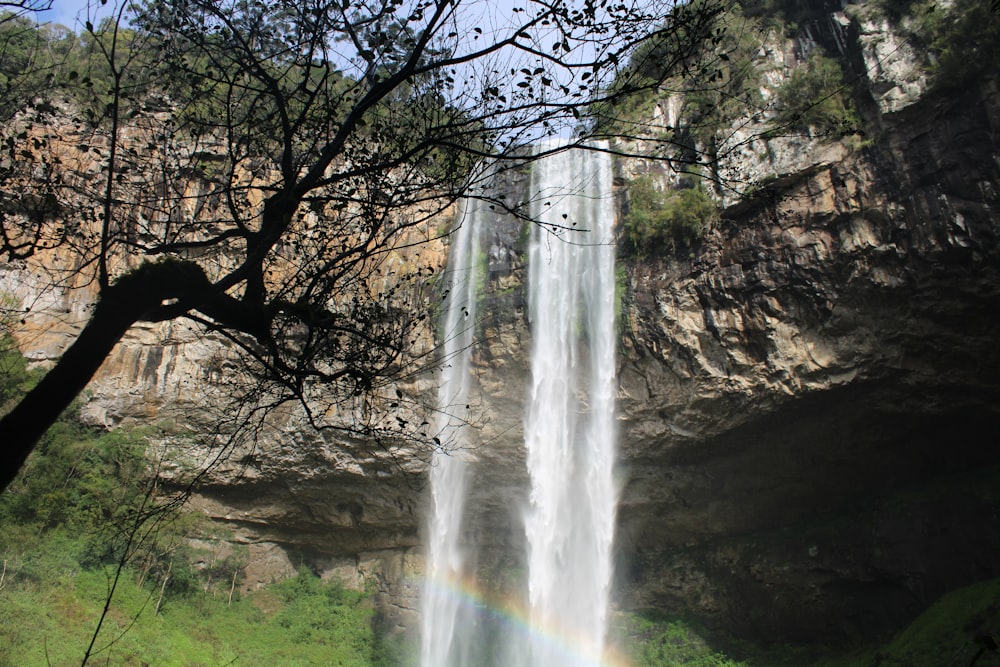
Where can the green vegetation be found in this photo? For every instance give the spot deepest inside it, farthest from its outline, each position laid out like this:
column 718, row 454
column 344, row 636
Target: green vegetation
column 789, row 15
column 666, row 220
column 48, row 618
column 958, row 629
column 659, row 641
column 721, row 84
column 41, row 64
column 952, row 631
column 80, row 479
column 959, row 40
column 31, row 59
column 730, row 88
column 718, row 82
column 962, row 40
column 621, row 303
column 816, row 98
column 81, row 523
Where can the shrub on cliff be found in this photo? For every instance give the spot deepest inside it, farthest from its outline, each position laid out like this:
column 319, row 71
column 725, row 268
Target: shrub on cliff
column 664, row 220
column 816, row 98
column 717, row 84
column 964, row 40
column 959, row 40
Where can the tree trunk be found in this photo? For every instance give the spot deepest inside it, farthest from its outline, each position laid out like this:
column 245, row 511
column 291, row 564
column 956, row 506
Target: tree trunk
column 136, row 296
column 163, row 587
column 232, row 588
column 129, row 300
column 38, row 410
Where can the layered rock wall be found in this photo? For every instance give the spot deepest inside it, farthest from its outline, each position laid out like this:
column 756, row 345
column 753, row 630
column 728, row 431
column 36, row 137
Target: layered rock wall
column 808, row 396
column 809, row 399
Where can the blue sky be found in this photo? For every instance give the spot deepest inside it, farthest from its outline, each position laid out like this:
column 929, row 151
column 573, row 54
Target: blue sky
column 66, row 12
column 73, row 13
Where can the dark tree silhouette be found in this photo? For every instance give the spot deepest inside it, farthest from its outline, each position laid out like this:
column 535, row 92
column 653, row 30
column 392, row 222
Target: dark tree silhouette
column 320, row 134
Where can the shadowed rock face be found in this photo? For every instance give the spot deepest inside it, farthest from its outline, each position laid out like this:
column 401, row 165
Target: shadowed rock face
column 811, row 400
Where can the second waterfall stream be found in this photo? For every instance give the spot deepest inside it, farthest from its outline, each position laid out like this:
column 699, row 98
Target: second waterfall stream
column 569, row 433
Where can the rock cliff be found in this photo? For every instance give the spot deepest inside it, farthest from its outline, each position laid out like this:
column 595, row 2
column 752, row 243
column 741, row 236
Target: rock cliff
column 809, row 399
column 808, row 395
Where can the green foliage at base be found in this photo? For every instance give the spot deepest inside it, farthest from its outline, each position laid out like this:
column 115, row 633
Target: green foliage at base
column 48, row 616
column 658, row 641
column 61, row 544
column 955, row 630
column 78, row 477
column 15, row 379
column 659, row 220
column 81, row 521
column 958, row 629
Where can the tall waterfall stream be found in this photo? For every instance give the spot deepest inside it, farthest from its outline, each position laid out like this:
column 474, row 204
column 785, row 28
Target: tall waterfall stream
column 568, row 433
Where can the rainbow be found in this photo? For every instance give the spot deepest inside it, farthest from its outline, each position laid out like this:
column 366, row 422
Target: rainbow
column 513, row 615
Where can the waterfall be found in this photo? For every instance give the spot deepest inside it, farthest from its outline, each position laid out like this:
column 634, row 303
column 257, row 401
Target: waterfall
column 568, row 431
column 444, row 631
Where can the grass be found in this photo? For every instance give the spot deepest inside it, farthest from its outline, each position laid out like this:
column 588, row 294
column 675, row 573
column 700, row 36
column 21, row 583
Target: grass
column 297, row 622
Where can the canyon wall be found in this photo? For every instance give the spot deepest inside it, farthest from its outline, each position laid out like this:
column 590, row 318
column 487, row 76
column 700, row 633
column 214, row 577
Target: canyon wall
column 809, row 401
column 808, row 394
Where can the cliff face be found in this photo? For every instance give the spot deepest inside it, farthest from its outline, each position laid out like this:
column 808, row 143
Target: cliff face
column 809, row 400
column 291, row 494
column 808, row 395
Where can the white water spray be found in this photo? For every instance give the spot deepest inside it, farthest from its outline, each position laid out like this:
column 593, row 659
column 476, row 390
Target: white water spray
column 569, row 432
column 445, row 632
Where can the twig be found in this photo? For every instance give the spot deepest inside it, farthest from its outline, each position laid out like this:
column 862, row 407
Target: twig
column 163, row 587
column 231, row 589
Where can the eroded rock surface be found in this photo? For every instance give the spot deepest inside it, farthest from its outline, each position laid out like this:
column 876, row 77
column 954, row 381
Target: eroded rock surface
column 807, row 406
column 809, row 401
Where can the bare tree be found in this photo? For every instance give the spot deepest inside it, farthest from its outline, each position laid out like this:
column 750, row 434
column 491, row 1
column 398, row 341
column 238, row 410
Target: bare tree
column 13, row 8
column 320, row 133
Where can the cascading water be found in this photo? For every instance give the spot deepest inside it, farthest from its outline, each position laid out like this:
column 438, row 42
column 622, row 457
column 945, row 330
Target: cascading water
column 444, row 631
column 569, row 432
